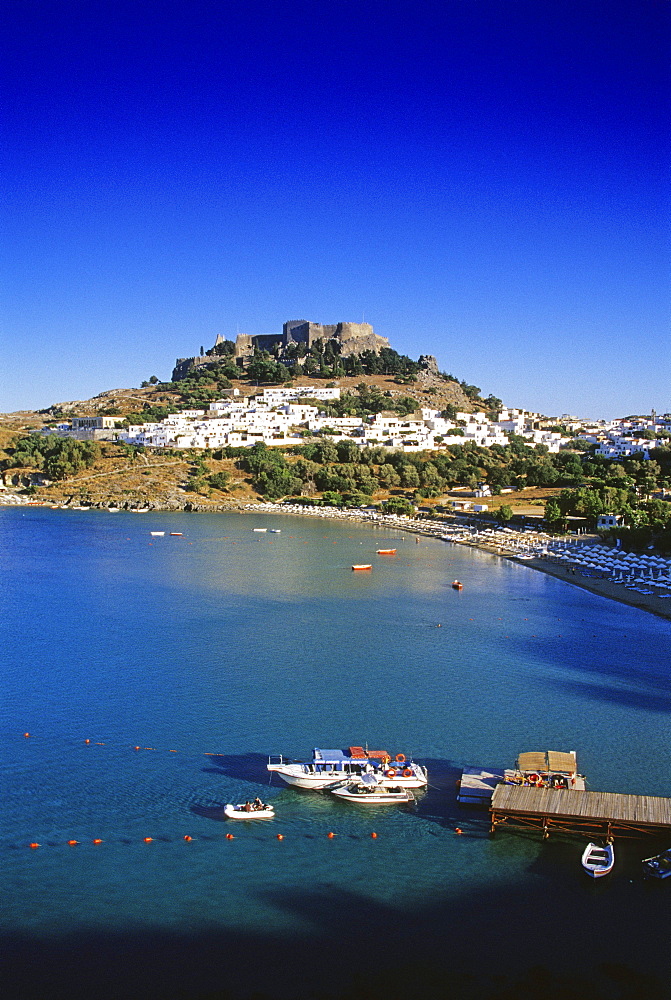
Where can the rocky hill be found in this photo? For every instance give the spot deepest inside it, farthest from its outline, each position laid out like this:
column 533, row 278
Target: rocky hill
column 121, row 476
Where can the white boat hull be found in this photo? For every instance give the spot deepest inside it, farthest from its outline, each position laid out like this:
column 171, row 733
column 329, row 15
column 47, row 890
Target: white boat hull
column 239, row 812
column 378, row 798
column 298, row 776
column 598, row 861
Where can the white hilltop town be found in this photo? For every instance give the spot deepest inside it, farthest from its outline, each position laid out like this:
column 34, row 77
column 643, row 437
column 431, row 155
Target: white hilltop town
column 281, row 416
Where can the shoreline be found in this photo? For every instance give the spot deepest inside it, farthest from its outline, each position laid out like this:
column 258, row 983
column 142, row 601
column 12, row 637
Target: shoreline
column 601, row 587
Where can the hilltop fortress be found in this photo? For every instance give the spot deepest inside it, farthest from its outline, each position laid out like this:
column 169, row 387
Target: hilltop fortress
column 352, row 338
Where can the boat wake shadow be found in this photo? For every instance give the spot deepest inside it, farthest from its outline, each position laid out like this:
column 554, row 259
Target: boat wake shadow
column 243, row 766
column 209, row 812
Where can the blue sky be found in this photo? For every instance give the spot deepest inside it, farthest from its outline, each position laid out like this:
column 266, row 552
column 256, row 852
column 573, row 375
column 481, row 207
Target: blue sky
column 485, row 181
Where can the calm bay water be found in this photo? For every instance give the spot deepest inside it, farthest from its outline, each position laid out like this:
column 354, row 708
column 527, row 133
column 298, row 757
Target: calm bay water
column 219, row 647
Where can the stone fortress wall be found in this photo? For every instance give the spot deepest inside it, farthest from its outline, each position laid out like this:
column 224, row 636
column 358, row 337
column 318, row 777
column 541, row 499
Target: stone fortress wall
column 354, row 338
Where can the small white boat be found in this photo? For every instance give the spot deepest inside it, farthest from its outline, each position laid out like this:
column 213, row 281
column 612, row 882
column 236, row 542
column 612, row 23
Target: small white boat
column 369, row 792
column 275, row 531
column 176, row 534
column 261, row 531
column 247, row 810
column 157, row 534
column 598, row 860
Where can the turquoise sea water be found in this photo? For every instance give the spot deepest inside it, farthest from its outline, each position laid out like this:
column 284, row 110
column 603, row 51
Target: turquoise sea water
column 211, row 650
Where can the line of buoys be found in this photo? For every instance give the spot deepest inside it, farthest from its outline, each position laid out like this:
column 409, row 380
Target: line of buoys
column 90, row 742
column 189, row 839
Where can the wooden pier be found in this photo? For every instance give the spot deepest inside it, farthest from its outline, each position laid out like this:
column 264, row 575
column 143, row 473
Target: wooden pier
column 604, row 814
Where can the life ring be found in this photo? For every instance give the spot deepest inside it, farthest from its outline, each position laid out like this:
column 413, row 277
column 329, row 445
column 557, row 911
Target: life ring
column 400, row 757
column 407, row 772
column 390, row 773
column 534, row 778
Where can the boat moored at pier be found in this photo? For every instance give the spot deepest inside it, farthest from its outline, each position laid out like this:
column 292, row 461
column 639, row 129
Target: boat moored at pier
column 371, row 792
column 598, row 861
column 659, row 866
column 333, row 767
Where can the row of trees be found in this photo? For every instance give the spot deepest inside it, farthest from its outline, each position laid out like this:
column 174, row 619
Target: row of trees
column 345, row 467
column 645, row 520
column 58, row 458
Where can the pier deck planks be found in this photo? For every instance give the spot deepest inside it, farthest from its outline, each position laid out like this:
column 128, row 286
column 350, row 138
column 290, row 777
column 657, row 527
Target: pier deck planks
column 568, row 809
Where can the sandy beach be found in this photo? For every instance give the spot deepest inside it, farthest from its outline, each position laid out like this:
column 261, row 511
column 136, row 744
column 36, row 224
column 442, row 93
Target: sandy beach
column 605, row 588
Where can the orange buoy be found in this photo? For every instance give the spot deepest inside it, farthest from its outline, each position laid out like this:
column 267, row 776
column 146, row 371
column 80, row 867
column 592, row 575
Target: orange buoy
column 34, row 845
column 330, row 835
column 87, row 741
column 229, row 836
column 374, row 836
column 280, row 836
column 458, row 829
column 97, row 841
column 72, row 843
column 26, row 735
column 148, row 840
column 136, row 748
column 187, row 837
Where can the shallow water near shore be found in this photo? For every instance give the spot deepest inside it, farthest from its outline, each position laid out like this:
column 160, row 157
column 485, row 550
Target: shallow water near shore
column 213, row 649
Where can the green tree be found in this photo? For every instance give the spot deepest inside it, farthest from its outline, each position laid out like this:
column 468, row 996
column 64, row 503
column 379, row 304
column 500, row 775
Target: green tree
column 504, row 514
column 388, row 475
column 219, row 480
column 553, row 514
column 398, row 505
column 409, row 476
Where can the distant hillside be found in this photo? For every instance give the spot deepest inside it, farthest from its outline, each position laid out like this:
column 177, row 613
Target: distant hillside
column 121, row 474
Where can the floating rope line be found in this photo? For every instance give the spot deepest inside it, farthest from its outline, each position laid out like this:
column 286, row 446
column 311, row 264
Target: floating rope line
column 127, row 746
column 186, row 838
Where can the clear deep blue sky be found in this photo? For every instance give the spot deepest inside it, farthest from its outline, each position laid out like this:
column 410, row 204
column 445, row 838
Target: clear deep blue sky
column 483, row 180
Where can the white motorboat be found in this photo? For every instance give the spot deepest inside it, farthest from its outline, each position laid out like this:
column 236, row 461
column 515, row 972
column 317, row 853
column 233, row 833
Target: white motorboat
column 157, row 534
column 598, row 860
column 260, row 531
column 333, row 767
column 370, row 792
column 659, row 866
column 248, row 810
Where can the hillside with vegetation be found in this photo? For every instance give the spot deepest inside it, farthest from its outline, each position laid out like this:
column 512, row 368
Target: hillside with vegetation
column 523, row 479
